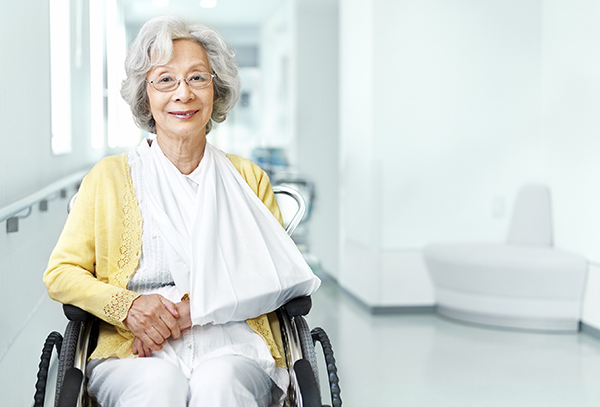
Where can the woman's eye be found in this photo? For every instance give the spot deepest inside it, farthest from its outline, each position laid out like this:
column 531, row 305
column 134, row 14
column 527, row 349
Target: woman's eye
column 165, row 79
column 198, row 78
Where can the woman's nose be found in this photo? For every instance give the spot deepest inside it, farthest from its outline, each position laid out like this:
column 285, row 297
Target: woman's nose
column 183, row 92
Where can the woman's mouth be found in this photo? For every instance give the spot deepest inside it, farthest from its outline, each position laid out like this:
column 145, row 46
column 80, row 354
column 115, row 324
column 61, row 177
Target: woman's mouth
column 187, row 114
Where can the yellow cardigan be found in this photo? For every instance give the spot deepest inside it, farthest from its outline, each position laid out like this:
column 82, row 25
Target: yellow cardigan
column 100, row 247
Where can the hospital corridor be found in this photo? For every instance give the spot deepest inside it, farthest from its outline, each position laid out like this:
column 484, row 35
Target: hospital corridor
column 435, row 165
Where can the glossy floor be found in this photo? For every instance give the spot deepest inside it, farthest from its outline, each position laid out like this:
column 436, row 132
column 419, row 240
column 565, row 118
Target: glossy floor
column 425, row 360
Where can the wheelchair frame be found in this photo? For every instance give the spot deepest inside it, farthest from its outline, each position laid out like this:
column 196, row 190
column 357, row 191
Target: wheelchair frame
column 299, row 341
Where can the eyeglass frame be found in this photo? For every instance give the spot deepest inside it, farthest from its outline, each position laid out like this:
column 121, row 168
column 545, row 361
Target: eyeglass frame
column 212, row 76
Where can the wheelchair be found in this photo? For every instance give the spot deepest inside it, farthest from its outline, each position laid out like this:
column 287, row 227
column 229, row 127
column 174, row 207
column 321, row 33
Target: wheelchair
column 79, row 340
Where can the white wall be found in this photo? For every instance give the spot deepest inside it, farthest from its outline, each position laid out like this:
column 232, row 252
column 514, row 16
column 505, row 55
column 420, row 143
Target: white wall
column 456, row 115
column 444, row 129
column 570, row 121
column 317, row 141
column 571, row 128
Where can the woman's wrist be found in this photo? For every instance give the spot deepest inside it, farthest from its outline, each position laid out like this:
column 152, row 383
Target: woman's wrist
column 185, row 317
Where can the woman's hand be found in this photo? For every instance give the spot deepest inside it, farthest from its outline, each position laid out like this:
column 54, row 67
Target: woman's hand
column 184, row 321
column 152, row 319
column 140, row 349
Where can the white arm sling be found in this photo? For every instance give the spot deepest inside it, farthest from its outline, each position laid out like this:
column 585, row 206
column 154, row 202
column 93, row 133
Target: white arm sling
column 225, row 248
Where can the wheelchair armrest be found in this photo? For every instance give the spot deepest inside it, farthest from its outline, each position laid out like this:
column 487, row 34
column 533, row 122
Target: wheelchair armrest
column 74, row 313
column 298, row 306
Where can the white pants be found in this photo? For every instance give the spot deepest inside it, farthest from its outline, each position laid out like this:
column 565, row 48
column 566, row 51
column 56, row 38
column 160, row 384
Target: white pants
column 229, row 380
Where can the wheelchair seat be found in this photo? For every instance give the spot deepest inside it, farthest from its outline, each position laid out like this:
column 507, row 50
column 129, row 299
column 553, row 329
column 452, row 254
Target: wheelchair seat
column 78, row 342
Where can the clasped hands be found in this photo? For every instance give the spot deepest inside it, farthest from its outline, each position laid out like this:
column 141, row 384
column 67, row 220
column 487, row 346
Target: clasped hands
column 153, row 319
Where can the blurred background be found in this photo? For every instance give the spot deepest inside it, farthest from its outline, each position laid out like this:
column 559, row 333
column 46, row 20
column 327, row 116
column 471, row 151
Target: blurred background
column 403, row 123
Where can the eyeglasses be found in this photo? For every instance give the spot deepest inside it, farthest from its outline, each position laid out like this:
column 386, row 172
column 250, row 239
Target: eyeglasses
column 167, row 83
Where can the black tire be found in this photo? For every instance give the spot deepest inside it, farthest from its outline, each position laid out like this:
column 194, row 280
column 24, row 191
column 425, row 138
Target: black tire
column 54, row 340
column 308, row 345
column 319, row 335
column 67, row 357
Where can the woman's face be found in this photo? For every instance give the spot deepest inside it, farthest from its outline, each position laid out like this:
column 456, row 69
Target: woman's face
column 183, row 112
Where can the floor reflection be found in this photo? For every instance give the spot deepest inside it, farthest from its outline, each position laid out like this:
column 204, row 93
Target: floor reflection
column 426, row 360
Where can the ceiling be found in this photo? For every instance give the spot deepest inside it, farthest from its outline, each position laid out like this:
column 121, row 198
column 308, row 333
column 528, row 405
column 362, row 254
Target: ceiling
column 226, row 13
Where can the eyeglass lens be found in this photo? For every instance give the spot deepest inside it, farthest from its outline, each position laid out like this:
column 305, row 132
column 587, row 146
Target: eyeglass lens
column 165, row 83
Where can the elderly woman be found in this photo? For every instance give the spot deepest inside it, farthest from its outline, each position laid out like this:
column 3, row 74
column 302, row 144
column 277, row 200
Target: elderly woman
column 150, row 229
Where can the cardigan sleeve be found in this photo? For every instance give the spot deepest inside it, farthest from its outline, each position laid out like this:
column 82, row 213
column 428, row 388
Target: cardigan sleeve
column 71, row 276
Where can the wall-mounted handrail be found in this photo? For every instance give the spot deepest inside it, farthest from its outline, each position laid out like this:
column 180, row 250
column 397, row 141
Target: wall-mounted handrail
column 43, row 194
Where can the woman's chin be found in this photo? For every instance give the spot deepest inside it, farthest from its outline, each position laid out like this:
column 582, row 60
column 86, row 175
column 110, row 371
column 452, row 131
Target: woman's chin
column 183, row 131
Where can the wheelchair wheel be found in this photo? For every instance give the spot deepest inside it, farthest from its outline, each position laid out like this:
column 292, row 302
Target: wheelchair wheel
column 77, row 345
column 44, row 389
column 319, row 335
column 67, row 359
column 307, row 344
column 304, row 389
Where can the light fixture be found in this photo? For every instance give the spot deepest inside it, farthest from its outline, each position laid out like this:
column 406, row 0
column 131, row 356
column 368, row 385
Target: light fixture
column 160, row 3
column 208, row 3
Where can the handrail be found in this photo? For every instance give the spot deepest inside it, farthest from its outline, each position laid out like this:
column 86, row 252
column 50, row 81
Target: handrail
column 28, row 202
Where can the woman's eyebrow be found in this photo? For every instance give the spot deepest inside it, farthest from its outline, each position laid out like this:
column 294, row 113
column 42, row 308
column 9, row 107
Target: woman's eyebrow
column 193, row 66
column 159, row 68
column 199, row 65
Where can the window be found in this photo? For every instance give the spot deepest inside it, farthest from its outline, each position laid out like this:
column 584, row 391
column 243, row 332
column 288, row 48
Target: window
column 112, row 125
column 60, row 75
column 121, row 129
column 97, row 75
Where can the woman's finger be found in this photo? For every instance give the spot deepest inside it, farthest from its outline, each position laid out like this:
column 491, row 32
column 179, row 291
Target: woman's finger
column 147, row 351
column 171, row 325
column 149, row 343
column 142, row 350
column 171, row 319
column 171, row 307
column 158, row 334
column 138, row 347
